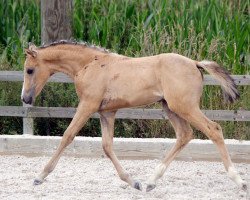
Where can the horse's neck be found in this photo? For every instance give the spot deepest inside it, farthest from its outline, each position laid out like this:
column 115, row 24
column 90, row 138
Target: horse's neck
column 69, row 61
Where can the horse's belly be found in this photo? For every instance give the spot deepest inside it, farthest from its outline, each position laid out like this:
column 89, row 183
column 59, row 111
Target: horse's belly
column 130, row 100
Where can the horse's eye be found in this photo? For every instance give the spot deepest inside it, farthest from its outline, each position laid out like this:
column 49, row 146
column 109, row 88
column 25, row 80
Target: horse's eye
column 30, row 71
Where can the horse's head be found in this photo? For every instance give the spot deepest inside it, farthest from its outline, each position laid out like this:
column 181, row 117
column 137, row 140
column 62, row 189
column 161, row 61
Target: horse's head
column 36, row 73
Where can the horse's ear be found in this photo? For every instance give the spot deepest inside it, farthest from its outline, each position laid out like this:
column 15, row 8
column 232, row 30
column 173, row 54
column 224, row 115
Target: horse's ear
column 31, row 53
column 32, row 50
column 32, row 46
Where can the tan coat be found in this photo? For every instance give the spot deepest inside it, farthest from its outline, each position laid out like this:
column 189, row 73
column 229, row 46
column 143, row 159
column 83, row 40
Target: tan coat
column 106, row 82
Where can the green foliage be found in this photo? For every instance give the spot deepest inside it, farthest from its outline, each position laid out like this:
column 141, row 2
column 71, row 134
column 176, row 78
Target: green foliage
column 208, row 29
column 20, row 23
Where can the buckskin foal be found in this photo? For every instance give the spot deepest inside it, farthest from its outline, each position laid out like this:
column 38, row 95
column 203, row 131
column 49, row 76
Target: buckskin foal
column 106, row 82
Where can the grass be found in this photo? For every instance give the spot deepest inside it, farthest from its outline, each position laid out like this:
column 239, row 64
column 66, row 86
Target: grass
column 208, row 29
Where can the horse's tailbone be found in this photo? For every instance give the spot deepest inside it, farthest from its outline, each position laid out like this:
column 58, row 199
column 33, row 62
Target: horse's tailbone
column 230, row 91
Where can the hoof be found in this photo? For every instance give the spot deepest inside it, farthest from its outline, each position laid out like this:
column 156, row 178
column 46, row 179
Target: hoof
column 150, row 187
column 37, row 182
column 244, row 186
column 137, row 185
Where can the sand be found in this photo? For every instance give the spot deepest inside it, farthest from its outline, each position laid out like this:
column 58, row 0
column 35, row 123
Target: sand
column 93, row 179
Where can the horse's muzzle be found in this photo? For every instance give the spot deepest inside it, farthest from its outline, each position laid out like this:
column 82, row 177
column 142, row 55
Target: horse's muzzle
column 28, row 97
column 28, row 100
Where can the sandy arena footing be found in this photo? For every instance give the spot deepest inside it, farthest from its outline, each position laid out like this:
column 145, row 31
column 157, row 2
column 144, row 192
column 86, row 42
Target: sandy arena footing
column 94, row 179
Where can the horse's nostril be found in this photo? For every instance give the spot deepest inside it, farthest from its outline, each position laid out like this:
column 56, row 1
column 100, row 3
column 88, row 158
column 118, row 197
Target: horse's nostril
column 27, row 100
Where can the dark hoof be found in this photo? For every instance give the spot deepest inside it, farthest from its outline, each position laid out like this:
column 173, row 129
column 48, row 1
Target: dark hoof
column 37, row 182
column 137, row 185
column 150, row 187
column 244, row 186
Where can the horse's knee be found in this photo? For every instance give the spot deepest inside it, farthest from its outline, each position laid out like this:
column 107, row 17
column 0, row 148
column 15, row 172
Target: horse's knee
column 186, row 135
column 189, row 138
column 183, row 141
column 189, row 133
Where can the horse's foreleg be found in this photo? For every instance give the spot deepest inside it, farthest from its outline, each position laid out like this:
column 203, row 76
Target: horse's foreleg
column 184, row 134
column 107, row 125
column 82, row 115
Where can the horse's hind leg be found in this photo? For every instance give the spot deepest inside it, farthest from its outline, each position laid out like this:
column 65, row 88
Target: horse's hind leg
column 184, row 134
column 214, row 132
column 107, row 124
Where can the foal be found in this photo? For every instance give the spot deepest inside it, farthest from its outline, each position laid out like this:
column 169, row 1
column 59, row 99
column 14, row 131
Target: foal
column 106, row 82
